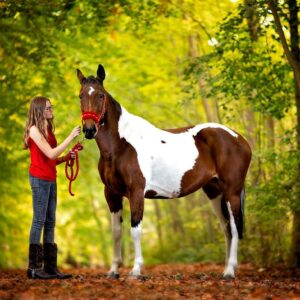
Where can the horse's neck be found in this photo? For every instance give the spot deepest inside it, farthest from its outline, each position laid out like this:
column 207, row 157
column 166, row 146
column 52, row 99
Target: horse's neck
column 108, row 138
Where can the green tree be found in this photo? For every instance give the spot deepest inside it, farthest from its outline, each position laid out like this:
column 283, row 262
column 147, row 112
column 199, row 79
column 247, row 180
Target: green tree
column 172, row 64
column 254, row 66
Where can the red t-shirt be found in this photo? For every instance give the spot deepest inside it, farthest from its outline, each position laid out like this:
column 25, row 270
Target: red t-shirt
column 41, row 166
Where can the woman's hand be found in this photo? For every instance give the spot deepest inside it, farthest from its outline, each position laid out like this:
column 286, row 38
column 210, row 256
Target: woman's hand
column 75, row 132
column 72, row 154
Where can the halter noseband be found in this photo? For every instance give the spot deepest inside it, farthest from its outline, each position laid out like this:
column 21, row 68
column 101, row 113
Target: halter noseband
column 94, row 116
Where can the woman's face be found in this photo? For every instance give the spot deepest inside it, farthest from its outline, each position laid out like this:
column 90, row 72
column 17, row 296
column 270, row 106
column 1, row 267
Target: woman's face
column 48, row 112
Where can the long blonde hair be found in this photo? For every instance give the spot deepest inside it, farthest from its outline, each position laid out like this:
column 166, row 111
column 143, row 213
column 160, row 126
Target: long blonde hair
column 35, row 117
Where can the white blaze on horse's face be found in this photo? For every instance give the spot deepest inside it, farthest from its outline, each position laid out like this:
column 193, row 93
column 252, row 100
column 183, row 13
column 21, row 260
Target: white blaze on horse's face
column 163, row 157
column 91, row 90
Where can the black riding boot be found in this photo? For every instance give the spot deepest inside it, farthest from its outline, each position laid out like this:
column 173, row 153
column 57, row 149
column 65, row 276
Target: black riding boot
column 35, row 267
column 50, row 261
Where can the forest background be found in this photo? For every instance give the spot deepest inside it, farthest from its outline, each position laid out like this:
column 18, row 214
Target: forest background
column 175, row 63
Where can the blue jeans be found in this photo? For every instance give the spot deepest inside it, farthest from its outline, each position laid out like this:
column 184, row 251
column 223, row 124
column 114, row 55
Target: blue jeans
column 44, row 198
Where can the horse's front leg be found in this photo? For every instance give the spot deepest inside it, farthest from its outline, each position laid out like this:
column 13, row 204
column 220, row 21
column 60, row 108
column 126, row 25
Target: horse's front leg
column 115, row 205
column 137, row 210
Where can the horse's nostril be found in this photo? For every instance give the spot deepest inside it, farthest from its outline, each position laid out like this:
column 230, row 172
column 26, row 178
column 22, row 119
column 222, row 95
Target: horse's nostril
column 89, row 135
column 89, row 132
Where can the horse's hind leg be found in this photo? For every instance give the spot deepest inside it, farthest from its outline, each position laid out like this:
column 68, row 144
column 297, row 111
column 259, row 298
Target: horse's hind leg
column 218, row 204
column 115, row 206
column 214, row 192
column 233, row 202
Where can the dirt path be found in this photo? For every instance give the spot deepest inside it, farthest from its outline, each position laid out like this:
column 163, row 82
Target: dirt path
column 179, row 281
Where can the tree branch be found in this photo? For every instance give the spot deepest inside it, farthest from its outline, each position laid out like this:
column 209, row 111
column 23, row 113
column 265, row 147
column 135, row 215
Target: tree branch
column 290, row 57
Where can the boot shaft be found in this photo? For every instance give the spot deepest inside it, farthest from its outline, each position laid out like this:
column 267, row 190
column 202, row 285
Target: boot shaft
column 35, row 256
column 50, row 261
column 35, row 266
column 50, row 257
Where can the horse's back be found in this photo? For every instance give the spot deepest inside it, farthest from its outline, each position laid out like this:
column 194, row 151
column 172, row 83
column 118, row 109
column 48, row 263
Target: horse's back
column 218, row 139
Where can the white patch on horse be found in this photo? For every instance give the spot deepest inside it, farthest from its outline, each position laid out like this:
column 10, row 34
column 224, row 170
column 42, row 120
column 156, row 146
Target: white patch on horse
column 136, row 234
column 199, row 127
column 232, row 259
column 163, row 157
column 91, row 90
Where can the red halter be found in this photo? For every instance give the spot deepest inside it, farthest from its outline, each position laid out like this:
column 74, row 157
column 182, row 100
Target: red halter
column 94, row 116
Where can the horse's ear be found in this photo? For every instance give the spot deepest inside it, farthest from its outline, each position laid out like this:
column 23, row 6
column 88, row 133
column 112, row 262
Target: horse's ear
column 100, row 73
column 80, row 76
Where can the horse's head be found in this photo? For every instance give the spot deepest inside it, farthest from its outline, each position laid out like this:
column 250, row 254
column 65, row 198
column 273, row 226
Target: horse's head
column 93, row 99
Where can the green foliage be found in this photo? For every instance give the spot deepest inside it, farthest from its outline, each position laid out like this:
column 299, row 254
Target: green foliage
column 154, row 71
column 241, row 68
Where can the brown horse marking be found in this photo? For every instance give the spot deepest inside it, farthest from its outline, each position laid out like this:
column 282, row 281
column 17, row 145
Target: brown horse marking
column 141, row 161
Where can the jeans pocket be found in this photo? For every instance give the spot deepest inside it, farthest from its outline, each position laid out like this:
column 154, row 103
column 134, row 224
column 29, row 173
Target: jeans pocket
column 34, row 182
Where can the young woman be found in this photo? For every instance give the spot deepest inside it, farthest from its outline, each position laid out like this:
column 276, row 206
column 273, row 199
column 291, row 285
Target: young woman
column 39, row 138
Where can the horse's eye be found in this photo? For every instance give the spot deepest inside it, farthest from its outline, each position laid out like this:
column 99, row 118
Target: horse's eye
column 101, row 96
column 80, row 97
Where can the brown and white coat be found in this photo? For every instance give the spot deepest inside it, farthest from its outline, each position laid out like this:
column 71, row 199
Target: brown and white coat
column 139, row 160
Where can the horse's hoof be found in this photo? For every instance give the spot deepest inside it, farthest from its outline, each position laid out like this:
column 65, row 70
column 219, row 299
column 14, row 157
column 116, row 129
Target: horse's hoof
column 228, row 276
column 113, row 275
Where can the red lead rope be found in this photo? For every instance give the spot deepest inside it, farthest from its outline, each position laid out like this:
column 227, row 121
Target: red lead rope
column 70, row 163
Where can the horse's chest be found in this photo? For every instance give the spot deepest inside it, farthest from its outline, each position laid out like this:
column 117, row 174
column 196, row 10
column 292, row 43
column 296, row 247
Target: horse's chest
column 109, row 175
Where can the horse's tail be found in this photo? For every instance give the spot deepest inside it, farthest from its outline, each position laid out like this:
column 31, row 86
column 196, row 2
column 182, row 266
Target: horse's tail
column 240, row 224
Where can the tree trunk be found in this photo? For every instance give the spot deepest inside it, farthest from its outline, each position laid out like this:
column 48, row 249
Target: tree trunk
column 175, row 217
column 252, row 18
column 295, row 50
column 270, row 132
column 253, row 24
column 290, row 54
column 293, row 55
column 249, row 124
column 193, row 53
column 295, row 247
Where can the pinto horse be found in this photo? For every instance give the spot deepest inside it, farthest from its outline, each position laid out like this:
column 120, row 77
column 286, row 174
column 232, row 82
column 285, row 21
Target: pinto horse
column 139, row 160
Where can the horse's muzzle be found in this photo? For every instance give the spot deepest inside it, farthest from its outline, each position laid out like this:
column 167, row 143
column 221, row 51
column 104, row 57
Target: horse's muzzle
column 89, row 133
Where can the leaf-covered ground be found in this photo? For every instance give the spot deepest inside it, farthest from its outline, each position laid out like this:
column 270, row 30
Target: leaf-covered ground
column 178, row 281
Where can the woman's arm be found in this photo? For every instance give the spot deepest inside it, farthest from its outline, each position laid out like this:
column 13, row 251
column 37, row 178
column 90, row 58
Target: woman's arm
column 44, row 146
column 61, row 159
